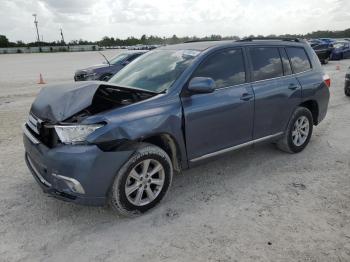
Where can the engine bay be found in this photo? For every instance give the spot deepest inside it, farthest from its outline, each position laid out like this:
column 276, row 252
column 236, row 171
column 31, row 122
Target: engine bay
column 110, row 97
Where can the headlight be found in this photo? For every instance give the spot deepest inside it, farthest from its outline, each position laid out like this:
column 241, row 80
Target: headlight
column 75, row 134
column 91, row 76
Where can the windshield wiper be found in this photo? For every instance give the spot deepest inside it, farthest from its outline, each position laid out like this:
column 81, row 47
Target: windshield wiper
column 131, row 88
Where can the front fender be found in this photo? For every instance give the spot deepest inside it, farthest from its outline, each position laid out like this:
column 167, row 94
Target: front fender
column 162, row 115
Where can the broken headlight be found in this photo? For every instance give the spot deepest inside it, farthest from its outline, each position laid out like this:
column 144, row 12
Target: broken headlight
column 73, row 134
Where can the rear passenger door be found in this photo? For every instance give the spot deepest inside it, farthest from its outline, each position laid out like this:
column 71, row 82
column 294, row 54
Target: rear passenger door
column 277, row 91
column 224, row 118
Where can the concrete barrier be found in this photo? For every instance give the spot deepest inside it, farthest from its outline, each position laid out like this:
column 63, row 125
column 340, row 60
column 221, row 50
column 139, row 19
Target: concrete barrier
column 48, row 49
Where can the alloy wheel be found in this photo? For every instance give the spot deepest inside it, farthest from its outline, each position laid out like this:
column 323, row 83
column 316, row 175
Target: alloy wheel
column 144, row 182
column 300, row 131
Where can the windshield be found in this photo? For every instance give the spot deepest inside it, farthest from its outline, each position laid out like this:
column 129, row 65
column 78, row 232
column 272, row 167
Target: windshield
column 118, row 58
column 155, row 71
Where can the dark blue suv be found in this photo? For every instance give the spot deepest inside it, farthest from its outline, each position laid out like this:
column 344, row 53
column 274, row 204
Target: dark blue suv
column 105, row 71
column 119, row 142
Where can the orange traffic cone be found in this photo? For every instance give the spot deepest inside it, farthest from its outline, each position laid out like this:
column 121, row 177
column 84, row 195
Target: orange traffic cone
column 337, row 67
column 41, row 80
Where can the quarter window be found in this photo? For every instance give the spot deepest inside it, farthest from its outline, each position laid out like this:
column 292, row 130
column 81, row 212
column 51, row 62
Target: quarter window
column 225, row 67
column 266, row 62
column 298, row 57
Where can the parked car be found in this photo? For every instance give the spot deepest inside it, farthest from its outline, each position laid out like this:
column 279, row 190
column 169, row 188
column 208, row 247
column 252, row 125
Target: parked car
column 109, row 68
column 327, row 40
column 347, row 83
column 119, row 142
column 323, row 50
column 314, row 42
column 341, row 50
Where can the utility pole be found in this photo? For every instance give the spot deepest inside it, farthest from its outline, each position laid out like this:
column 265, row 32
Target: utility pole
column 62, row 36
column 36, row 26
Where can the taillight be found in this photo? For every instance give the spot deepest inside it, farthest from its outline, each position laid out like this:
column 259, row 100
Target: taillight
column 327, row 80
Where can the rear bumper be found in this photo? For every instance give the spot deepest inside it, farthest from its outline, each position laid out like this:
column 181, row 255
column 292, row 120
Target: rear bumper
column 322, row 97
column 61, row 170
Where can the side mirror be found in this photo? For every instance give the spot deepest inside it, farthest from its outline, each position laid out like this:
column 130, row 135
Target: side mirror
column 201, row 85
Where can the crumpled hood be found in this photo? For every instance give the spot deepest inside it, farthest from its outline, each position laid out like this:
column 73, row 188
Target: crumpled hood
column 56, row 103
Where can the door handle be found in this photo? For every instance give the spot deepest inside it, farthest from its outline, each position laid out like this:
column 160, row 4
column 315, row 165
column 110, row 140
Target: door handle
column 246, row 96
column 292, row 86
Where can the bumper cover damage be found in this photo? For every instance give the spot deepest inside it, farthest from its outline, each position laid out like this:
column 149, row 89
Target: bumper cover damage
column 92, row 168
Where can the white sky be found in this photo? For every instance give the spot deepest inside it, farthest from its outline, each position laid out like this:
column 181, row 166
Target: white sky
column 93, row 19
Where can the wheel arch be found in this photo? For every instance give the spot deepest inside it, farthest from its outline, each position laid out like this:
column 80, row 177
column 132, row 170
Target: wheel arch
column 169, row 144
column 312, row 105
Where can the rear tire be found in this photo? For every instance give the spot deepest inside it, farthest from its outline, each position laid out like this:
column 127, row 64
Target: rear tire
column 142, row 182
column 298, row 132
column 347, row 91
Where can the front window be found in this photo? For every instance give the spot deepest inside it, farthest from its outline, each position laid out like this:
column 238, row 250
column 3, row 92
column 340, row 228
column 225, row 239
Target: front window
column 156, row 70
column 225, row 67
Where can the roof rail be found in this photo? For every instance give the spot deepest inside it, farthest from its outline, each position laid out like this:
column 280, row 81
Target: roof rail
column 201, row 40
column 248, row 39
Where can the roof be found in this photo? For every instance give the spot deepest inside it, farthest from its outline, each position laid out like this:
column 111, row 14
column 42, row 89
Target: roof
column 130, row 51
column 200, row 45
column 203, row 45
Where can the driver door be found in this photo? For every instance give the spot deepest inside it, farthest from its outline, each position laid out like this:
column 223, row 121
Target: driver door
column 222, row 119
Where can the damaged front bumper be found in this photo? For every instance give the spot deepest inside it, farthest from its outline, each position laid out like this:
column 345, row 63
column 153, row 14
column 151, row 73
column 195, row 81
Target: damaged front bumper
column 81, row 174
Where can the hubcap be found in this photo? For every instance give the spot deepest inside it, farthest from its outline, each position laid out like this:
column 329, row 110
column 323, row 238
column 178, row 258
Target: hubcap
column 300, row 131
column 144, row 182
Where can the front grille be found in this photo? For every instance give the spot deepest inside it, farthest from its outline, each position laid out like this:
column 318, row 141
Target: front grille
column 45, row 133
column 34, row 123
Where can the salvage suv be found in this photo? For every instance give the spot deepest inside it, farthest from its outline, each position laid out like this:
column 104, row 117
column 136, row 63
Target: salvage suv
column 119, row 142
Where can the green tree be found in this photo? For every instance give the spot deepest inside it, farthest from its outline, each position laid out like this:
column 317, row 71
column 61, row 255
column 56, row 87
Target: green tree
column 4, row 42
column 143, row 39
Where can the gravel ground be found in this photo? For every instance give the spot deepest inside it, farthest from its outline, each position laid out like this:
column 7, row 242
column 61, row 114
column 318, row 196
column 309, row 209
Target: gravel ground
column 256, row 204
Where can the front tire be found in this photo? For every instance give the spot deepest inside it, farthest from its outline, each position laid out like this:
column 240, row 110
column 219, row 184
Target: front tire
column 347, row 91
column 142, row 182
column 298, row 132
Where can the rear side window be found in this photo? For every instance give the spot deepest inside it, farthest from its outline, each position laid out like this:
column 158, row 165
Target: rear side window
column 299, row 59
column 266, row 62
column 285, row 62
column 225, row 67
